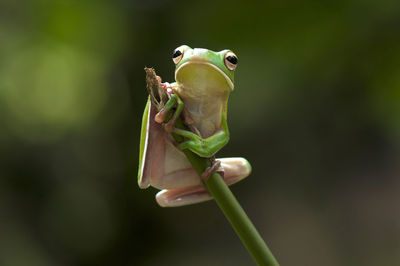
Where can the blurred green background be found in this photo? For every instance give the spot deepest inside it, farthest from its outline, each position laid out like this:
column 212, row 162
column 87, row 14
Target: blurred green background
column 315, row 110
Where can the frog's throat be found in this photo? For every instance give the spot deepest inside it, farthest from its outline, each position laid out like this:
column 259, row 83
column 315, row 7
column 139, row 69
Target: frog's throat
column 231, row 86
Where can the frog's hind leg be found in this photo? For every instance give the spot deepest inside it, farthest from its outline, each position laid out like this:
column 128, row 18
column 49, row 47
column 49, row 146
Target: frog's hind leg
column 235, row 169
column 182, row 196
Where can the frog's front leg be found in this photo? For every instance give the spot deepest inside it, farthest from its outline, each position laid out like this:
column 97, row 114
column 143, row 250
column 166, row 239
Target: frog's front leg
column 205, row 147
column 174, row 100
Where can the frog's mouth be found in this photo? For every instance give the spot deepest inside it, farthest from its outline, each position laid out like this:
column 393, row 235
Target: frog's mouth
column 203, row 74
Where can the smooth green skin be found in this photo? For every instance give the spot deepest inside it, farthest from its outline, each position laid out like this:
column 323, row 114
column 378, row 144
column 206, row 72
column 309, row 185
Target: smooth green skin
column 204, row 147
column 215, row 58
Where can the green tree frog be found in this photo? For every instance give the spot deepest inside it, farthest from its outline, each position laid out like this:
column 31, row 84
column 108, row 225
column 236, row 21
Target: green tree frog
column 204, row 80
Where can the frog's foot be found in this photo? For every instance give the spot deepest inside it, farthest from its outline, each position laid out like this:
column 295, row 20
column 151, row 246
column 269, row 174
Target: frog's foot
column 235, row 169
column 167, row 87
column 215, row 167
column 219, row 170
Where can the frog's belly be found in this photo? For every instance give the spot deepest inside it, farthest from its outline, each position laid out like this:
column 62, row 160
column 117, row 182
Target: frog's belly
column 206, row 114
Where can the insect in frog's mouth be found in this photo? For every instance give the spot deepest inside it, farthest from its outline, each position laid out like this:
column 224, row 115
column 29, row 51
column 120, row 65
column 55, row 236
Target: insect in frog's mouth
column 196, row 72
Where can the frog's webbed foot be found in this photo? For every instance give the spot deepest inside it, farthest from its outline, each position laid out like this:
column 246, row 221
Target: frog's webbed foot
column 167, row 87
column 214, row 168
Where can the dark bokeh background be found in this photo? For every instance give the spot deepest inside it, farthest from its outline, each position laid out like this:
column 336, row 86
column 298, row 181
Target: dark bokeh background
column 315, row 110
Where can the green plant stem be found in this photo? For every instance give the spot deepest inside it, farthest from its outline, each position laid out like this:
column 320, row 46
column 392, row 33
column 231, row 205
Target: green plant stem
column 232, row 210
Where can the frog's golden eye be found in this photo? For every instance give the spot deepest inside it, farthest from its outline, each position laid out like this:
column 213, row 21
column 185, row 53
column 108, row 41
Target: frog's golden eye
column 231, row 60
column 177, row 55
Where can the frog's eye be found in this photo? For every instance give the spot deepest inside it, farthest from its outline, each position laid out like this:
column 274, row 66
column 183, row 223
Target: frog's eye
column 177, row 55
column 231, row 60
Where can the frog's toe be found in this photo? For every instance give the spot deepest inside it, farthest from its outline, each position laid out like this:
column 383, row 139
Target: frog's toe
column 160, row 116
column 235, row 169
column 215, row 167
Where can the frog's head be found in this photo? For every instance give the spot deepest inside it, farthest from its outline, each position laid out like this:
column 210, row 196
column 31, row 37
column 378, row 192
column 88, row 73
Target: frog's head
column 196, row 67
